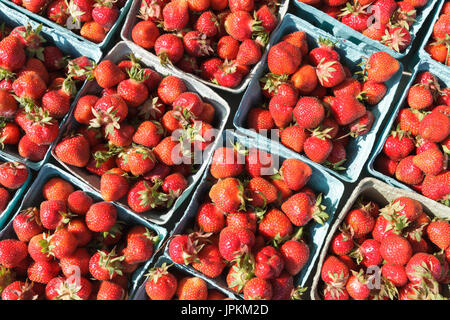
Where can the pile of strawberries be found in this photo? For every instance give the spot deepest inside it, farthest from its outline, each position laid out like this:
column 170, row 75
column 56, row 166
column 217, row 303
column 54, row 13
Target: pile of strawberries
column 386, row 21
column 12, row 176
column 37, row 84
column 439, row 46
column 315, row 102
column 138, row 134
column 164, row 285
column 218, row 40
column 71, row 248
column 416, row 151
column 240, row 231
column 397, row 252
column 91, row 18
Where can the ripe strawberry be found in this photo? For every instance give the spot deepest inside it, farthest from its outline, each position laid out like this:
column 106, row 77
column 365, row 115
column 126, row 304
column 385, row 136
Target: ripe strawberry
column 210, row 218
column 161, row 284
column 375, row 31
column 249, row 53
column 108, row 74
column 27, row 224
column 342, row 243
column 104, row 265
column 53, row 213
column 439, row 233
column 73, row 151
column 78, row 259
column 396, row 250
column 318, row 146
column 408, row 172
column 309, row 112
column 295, row 253
column 397, row 38
column 386, row 9
column 227, row 48
column 395, row 274
column 275, row 224
column 261, row 119
column 105, row 14
column 62, row 243
column 13, row 175
column 334, row 271
column 19, row 290
column 240, row 25
column 113, row 185
column 347, row 109
column 268, row 20
column 247, row 220
column 209, row 261
column 356, row 17
column 144, row 196
column 133, row 90
column 420, row 97
column 330, row 73
column 12, row 252
column 12, row 54
column 226, row 162
column 208, row 24
column 398, row 146
column 357, row 286
column 300, row 209
column 258, row 289
column 431, row 161
column 228, row 75
column 261, row 192
column 168, row 151
column 284, row 58
column 294, row 138
column 43, row 271
column 234, row 242
column 259, row 163
column 368, row 253
column 109, row 290
column 362, row 126
column 268, row 263
column 175, row 15
column 170, row 88
column 101, row 217
column 192, row 288
column 109, row 111
column 428, row 125
column 422, row 265
column 381, row 67
column 295, row 173
column 360, row 222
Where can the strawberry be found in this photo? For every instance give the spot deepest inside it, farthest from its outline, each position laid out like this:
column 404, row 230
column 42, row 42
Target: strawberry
column 318, row 146
column 227, row 48
column 408, row 172
column 13, row 175
column 309, row 112
column 334, row 272
column 12, row 252
column 109, row 290
column 57, row 11
column 9, row 133
column 286, row 52
column 101, row 217
column 139, row 247
column 398, row 146
column 295, row 253
column 68, row 289
column 300, row 209
column 431, row 161
column 240, row 25
column 350, row 86
column 275, row 224
column 249, row 53
column 429, row 124
column 330, row 73
column 27, row 224
column 108, row 74
column 143, row 197
column 57, row 189
column 258, row 289
column 422, row 265
column 404, row 206
column 268, row 263
column 29, row 85
column 396, row 250
column 104, row 265
column 8, row 104
column 439, row 233
column 210, row 261
column 247, row 220
column 62, row 243
column 347, row 109
column 261, row 119
column 259, row 163
column 168, row 151
column 342, row 243
column 395, row 274
column 79, row 258
column 397, row 38
column 268, row 20
column 12, row 54
column 360, row 222
column 261, row 192
column 133, row 90
column 175, row 15
column 43, row 271
column 210, row 219
column 192, row 288
column 170, row 88
column 385, row 10
column 355, row 16
column 109, row 111
column 362, row 126
column 161, row 284
column 420, row 97
column 105, row 14
column 73, row 151
column 409, row 120
column 228, row 74
column 381, row 67
column 375, row 31
column 19, row 290
column 234, row 242
column 357, row 286
column 208, row 24
column 294, row 138
column 368, row 253
column 53, row 213
column 113, row 185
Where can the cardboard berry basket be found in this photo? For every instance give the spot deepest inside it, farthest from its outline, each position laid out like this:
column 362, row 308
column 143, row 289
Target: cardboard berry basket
column 70, row 35
column 358, row 150
column 425, row 56
column 331, row 188
column 120, row 52
column 131, row 21
column 72, row 47
column 15, row 199
column 34, row 197
column 140, row 293
column 325, row 22
column 380, row 192
column 444, row 78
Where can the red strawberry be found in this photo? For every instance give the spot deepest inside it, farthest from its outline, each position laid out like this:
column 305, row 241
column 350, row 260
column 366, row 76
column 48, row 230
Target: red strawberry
column 360, row 222
column 13, row 175
column 240, row 25
column 108, row 74
column 284, row 58
column 234, row 242
column 395, row 274
column 381, row 67
column 43, row 272
column 101, row 217
column 110, row 291
column 422, row 264
column 275, row 224
column 295, row 253
column 210, row 218
column 300, row 209
column 261, row 119
column 396, row 250
column 294, row 138
column 334, row 271
column 210, row 261
column 161, row 284
column 258, row 289
column 295, row 173
column 431, row 161
column 398, row 145
column 175, row 15
column 439, row 233
column 62, row 243
column 104, row 265
column 12, row 252
column 355, row 16
column 269, row 263
column 318, row 146
column 347, row 109
column 357, row 286
column 397, row 38
column 208, row 24
column 408, row 172
column 105, row 14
